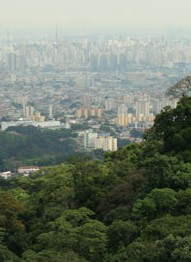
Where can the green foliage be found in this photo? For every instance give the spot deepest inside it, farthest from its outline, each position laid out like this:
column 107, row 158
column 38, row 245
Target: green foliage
column 184, row 202
column 166, row 171
column 93, row 240
column 134, row 206
column 9, row 210
column 162, row 227
column 91, row 180
column 6, row 255
column 172, row 126
column 75, row 230
column 180, row 89
column 118, row 202
column 34, row 146
column 157, row 203
column 51, row 255
column 121, row 233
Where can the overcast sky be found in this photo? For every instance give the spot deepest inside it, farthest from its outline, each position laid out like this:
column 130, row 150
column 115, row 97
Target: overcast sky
column 79, row 14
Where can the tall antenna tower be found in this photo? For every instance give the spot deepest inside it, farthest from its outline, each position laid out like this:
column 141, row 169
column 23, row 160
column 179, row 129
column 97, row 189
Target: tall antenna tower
column 56, row 35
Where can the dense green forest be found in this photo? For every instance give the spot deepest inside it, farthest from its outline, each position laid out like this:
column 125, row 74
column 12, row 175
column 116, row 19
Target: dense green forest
column 134, row 206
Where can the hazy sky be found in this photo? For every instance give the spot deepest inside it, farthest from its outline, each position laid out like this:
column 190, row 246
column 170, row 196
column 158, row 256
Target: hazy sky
column 79, row 14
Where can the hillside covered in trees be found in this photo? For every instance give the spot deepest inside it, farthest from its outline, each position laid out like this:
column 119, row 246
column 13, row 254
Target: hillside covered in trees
column 28, row 145
column 134, row 206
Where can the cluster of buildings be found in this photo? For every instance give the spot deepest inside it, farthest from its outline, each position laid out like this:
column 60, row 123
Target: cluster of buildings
column 22, row 171
column 89, row 112
column 108, row 86
column 42, row 124
column 93, row 141
column 108, row 100
column 105, row 54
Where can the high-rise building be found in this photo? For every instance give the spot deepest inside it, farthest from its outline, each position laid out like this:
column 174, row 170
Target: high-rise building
column 85, row 113
column 122, row 120
column 28, row 111
column 12, row 62
column 122, row 117
column 82, row 113
column 50, row 115
column 97, row 112
column 122, row 110
column 106, row 143
column 142, row 108
column 109, row 104
column 142, row 105
column 89, row 140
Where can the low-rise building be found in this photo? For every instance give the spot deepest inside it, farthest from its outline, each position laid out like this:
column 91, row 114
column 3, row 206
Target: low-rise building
column 6, row 174
column 27, row 169
column 45, row 124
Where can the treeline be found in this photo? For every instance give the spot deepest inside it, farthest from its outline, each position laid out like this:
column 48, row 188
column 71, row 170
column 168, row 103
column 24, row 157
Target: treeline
column 134, row 206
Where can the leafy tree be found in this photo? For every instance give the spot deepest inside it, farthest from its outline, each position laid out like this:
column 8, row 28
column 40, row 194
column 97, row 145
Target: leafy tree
column 184, row 202
column 7, row 255
column 51, row 255
column 76, row 231
column 173, row 249
column 10, row 209
column 166, row 171
column 157, row 203
column 93, row 240
column 135, row 252
column 121, row 233
column 119, row 201
column 90, row 183
column 172, row 127
column 166, row 225
column 182, row 88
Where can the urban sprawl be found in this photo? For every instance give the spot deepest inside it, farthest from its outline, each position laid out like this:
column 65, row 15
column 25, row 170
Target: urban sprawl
column 108, row 88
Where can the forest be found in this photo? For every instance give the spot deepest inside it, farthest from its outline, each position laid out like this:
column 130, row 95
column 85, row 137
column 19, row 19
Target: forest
column 28, row 145
column 133, row 206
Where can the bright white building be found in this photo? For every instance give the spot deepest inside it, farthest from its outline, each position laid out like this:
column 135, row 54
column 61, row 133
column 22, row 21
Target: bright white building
column 6, row 174
column 89, row 140
column 45, row 124
column 28, row 169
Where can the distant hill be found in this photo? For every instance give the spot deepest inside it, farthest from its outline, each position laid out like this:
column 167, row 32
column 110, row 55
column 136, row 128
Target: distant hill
column 30, row 145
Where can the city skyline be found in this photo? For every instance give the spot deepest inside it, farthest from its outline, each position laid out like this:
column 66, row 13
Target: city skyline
column 93, row 15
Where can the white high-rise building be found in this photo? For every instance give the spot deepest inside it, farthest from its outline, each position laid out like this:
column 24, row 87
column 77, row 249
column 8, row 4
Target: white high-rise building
column 50, row 115
column 89, row 140
column 106, row 143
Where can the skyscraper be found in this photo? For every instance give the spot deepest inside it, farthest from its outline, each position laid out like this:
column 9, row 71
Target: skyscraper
column 122, row 117
column 12, row 62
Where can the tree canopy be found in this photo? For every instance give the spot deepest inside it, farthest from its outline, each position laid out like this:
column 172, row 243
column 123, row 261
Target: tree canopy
column 133, row 206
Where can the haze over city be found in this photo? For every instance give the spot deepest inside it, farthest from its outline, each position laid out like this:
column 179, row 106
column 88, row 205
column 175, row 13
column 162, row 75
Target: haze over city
column 98, row 69
column 88, row 15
